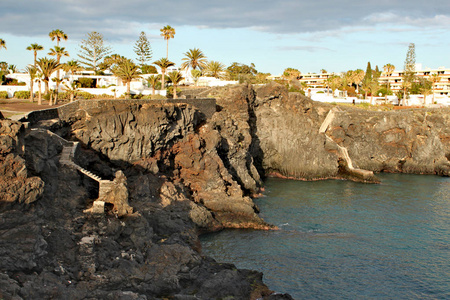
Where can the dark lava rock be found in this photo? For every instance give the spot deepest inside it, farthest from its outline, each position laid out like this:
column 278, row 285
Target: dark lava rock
column 182, row 175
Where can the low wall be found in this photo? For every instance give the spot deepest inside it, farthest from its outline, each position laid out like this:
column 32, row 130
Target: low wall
column 206, row 105
column 120, row 90
column 11, row 89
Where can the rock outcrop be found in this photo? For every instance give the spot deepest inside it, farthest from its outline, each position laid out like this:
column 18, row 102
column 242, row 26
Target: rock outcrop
column 117, row 195
column 288, row 128
column 51, row 249
column 211, row 160
column 15, row 184
column 175, row 174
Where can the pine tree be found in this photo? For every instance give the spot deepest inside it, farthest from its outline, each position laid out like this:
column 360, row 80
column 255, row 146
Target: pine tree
column 410, row 68
column 367, row 80
column 143, row 49
column 92, row 50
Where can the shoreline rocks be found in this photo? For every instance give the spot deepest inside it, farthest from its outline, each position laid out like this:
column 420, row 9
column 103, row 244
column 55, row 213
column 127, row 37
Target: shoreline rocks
column 179, row 175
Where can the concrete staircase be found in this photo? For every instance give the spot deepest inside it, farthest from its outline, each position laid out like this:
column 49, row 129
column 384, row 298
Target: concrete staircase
column 67, row 159
column 343, row 152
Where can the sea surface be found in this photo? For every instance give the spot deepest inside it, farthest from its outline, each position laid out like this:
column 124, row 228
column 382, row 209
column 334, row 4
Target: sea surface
column 346, row 240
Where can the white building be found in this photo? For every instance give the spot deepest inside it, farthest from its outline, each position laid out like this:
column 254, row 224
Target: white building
column 110, row 84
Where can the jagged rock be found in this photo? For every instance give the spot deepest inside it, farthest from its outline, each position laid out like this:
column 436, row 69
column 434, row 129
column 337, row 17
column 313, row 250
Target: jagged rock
column 184, row 175
column 15, row 185
column 10, row 288
column 408, row 141
column 118, row 195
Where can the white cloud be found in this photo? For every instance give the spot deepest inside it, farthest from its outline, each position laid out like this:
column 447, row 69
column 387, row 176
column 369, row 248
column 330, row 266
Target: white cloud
column 118, row 20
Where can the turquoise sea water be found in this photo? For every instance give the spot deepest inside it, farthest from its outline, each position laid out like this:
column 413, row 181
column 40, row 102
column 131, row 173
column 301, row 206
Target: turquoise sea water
column 346, row 240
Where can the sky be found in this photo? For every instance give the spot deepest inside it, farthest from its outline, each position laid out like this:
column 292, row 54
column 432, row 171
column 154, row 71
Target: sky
column 274, row 35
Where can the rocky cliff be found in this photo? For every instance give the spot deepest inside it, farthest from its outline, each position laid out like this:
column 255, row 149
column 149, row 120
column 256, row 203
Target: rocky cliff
column 293, row 145
column 178, row 186
column 183, row 174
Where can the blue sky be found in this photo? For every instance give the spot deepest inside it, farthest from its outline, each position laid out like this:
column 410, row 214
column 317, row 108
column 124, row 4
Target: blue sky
column 306, row 35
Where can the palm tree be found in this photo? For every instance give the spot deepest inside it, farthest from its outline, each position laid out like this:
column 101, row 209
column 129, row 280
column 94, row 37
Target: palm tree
column 163, row 63
column 47, row 66
column 168, row 33
column 215, row 69
column 175, row 77
column 335, row 82
column 194, row 59
column 388, row 70
column 153, row 82
column 32, row 71
column 58, row 82
column 58, row 52
column 39, row 80
column 59, row 35
column 71, row 88
column 2, row 45
column 127, row 70
column 71, row 66
column 434, row 78
column 426, row 86
column 3, row 66
column 358, row 76
column 12, row 68
column 196, row 75
column 327, row 83
column 35, row 48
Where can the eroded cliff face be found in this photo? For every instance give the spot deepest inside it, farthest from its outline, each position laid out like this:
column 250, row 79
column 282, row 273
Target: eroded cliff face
column 209, row 160
column 184, row 174
column 15, row 183
column 288, row 131
column 50, row 248
column 408, row 141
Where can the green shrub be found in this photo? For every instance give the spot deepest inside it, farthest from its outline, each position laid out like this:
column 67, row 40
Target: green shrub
column 364, row 104
column 22, row 95
column 86, row 82
column 320, row 92
column 149, row 69
column 170, row 91
column 384, row 91
column 63, row 96
column 3, row 95
column 153, row 97
column 104, row 96
column 137, row 96
column 13, row 81
column 84, row 95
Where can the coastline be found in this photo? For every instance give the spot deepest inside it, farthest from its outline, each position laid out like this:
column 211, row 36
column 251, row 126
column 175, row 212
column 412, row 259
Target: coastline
column 185, row 173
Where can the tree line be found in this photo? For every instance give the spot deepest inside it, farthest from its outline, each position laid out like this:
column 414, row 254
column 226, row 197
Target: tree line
column 367, row 83
column 95, row 55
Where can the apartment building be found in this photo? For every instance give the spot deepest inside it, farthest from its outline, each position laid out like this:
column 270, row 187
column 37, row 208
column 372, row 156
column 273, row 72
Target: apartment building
column 441, row 88
column 317, row 80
